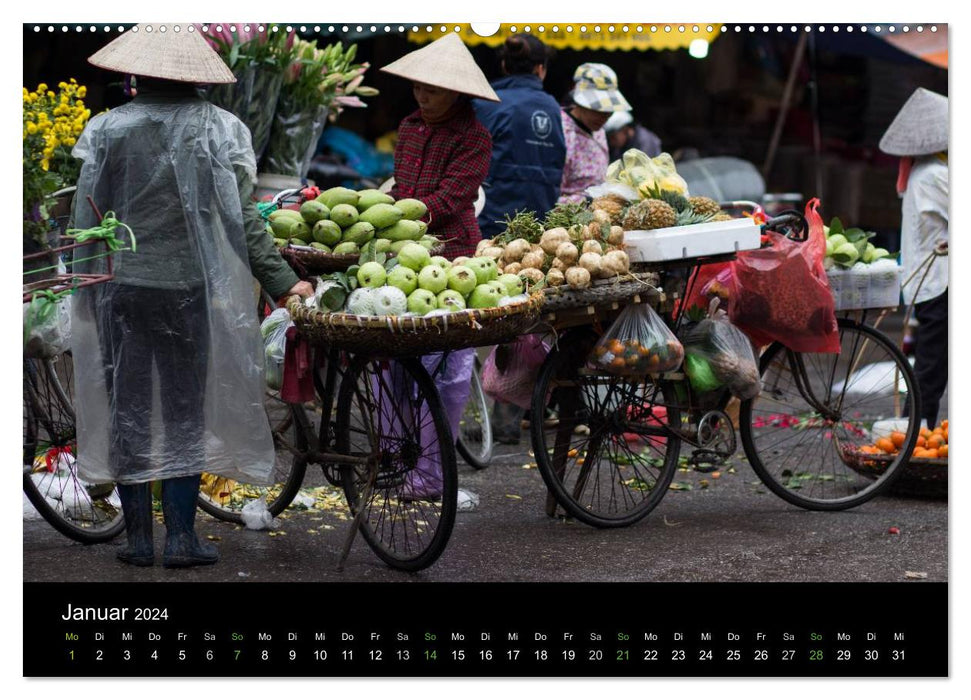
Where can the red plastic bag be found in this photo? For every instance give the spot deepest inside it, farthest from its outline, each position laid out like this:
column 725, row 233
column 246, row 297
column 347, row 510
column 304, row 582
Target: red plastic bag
column 515, row 384
column 781, row 292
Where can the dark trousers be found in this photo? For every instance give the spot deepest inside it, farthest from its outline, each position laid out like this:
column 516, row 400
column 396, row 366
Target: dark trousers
column 168, row 329
column 930, row 355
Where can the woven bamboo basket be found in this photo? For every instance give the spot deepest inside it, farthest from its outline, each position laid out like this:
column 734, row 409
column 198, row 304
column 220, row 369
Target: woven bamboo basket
column 600, row 292
column 395, row 336
column 920, row 477
column 316, row 262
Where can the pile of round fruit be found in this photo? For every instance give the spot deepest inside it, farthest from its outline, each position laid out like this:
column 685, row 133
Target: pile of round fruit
column 631, row 357
column 571, row 247
column 341, row 221
column 418, row 284
column 931, row 444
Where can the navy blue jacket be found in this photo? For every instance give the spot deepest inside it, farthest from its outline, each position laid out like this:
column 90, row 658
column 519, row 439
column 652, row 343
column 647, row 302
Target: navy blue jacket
column 528, row 151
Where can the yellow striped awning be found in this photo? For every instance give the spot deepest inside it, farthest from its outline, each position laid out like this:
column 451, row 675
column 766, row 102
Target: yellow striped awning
column 617, row 36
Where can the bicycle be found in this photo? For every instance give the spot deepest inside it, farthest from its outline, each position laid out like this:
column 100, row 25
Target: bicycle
column 613, row 455
column 85, row 512
column 388, row 430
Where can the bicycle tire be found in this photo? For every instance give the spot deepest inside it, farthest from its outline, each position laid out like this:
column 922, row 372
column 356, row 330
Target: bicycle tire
column 598, row 478
column 788, row 442
column 225, row 499
column 389, row 407
column 86, row 513
column 474, row 441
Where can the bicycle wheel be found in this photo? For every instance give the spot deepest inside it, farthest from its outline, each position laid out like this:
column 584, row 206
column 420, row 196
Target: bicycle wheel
column 474, row 440
column 85, row 512
column 406, row 493
column 616, row 469
column 225, row 498
column 803, row 432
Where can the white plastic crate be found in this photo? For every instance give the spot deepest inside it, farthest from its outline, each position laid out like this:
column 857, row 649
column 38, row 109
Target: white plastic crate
column 865, row 288
column 694, row 241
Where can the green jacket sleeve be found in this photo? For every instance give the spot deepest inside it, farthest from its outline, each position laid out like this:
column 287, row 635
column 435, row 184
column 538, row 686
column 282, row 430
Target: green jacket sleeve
column 268, row 267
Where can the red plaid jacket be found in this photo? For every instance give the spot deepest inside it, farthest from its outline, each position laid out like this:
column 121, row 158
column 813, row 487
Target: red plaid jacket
column 444, row 166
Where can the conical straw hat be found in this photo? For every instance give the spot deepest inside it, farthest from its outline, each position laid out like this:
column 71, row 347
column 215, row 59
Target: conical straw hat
column 444, row 63
column 920, row 128
column 159, row 51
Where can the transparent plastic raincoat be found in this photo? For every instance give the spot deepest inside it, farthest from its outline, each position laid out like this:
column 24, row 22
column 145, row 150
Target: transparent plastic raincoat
column 168, row 356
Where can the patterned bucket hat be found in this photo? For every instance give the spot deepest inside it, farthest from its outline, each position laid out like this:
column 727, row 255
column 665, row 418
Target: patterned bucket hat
column 595, row 87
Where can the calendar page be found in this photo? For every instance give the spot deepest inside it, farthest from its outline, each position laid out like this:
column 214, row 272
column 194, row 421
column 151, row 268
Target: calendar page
column 387, row 349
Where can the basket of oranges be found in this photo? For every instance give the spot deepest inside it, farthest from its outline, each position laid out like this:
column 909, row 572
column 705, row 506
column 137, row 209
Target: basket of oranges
column 924, row 474
column 637, row 343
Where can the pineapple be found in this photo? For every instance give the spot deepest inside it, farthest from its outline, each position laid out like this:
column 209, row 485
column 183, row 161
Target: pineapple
column 722, row 216
column 650, row 214
column 612, row 206
column 704, row 205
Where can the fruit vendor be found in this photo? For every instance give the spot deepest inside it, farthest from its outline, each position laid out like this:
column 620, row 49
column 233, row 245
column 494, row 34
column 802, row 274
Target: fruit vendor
column 919, row 135
column 595, row 97
column 443, row 151
column 528, row 151
column 168, row 368
column 442, row 158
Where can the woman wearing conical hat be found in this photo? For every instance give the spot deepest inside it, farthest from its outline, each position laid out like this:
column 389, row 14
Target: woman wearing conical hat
column 442, row 158
column 919, row 135
column 168, row 356
column 443, row 151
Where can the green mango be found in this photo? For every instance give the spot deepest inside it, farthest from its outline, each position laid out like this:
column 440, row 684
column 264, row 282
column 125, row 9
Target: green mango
column 412, row 208
column 403, row 230
column 338, row 195
column 327, row 232
column 279, row 242
column 368, row 198
column 422, row 226
column 382, row 245
column 277, row 214
column 281, row 225
column 346, row 248
column 301, row 231
column 359, row 233
column 396, row 246
column 344, row 215
column 382, row 216
column 321, row 247
column 313, row 211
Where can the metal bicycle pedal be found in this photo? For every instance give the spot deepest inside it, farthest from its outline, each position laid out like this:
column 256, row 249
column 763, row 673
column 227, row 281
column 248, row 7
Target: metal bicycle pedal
column 716, row 441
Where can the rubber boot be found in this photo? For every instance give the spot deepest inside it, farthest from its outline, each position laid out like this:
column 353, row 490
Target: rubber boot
column 136, row 504
column 182, row 547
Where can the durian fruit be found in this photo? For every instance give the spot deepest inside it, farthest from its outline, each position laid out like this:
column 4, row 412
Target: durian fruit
column 704, row 205
column 650, row 214
column 610, row 204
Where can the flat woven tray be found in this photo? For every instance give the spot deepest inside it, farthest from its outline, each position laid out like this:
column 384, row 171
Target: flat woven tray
column 601, row 292
column 394, row 336
column 315, row 262
column 920, row 477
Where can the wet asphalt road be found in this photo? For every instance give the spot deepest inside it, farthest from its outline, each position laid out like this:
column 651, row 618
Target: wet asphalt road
column 725, row 529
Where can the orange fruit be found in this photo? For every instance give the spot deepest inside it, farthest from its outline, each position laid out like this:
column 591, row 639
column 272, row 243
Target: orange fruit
column 944, row 424
column 617, row 363
column 931, row 454
column 886, row 445
column 937, row 431
column 935, row 441
column 616, row 347
column 897, row 438
column 942, row 451
column 925, row 432
column 921, row 442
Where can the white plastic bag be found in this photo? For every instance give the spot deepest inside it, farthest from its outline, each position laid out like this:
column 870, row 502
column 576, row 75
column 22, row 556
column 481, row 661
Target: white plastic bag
column 47, row 327
column 274, row 332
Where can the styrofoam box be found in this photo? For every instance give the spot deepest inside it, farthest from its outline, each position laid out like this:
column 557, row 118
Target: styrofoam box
column 864, row 289
column 696, row 240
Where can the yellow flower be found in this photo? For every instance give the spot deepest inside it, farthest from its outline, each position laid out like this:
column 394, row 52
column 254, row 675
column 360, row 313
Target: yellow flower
column 31, row 128
column 50, row 94
column 42, row 87
column 82, row 91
